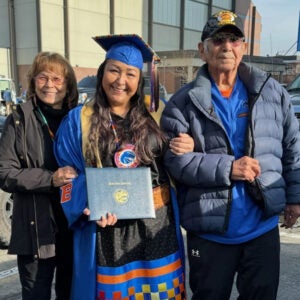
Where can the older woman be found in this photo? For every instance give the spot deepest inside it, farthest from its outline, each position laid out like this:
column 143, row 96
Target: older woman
column 40, row 236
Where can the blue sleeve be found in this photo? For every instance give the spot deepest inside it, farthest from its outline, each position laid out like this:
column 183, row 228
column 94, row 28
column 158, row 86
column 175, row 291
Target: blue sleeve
column 68, row 152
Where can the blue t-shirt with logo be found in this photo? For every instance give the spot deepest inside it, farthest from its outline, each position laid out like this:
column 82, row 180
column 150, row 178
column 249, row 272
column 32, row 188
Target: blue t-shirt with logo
column 246, row 219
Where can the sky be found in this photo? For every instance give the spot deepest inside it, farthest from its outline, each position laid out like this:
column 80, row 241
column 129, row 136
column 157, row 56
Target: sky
column 279, row 26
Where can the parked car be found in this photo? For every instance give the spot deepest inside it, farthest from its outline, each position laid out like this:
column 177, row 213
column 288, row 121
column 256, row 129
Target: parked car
column 7, row 83
column 2, row 121
column 294, row 90
column 5, row 207
column 86, row 88
column 163, row 95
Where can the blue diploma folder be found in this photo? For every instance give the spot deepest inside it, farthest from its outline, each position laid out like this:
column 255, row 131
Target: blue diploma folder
column 123, row 191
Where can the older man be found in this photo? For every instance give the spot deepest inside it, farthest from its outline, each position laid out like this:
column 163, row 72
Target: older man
column 244, row 171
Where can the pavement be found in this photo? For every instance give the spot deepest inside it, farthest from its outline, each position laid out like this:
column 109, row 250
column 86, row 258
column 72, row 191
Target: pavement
column 291, row 233
column 10, row 288
column 289, row 265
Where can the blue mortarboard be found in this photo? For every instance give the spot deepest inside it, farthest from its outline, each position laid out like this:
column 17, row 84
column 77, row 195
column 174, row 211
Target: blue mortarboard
column 132, row 50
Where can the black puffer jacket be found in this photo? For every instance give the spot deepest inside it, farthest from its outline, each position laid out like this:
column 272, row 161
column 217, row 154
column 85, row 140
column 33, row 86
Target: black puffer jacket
column 26, row 167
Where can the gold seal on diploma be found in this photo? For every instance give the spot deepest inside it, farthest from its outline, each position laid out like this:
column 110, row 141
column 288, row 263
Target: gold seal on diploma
column 121, row 196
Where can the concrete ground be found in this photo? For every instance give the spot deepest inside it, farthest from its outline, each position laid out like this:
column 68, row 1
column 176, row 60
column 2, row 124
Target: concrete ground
column 289, row 278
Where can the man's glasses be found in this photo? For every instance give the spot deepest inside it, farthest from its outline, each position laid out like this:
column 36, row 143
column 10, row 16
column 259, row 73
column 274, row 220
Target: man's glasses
column 43, row 79
column 220, row 38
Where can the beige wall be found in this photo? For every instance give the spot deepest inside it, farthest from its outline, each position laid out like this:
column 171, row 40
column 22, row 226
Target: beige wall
column 4, row 62
column 86, row 20
column 26, row 30
column 128, row 16
column 52, row 24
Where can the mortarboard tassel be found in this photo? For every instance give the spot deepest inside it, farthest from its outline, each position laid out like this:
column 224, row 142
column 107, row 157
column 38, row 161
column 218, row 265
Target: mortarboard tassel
column 154, row 101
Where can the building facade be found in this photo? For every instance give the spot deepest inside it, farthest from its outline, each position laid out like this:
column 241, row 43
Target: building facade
column 171, row 27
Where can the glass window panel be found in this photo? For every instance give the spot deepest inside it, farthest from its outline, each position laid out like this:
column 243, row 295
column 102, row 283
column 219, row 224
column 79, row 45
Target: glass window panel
column 201, row 1
column 217, row 9
column 166, row 12
column 165, row 38
column 191, row 39
column 195, row 15
column 226, row 4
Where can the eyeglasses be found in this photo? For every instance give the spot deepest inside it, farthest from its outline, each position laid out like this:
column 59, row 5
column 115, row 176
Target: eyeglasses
column 220, row 38
column 43, row 79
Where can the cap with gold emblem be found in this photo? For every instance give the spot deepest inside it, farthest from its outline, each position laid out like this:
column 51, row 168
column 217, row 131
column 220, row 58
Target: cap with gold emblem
column 218, row 21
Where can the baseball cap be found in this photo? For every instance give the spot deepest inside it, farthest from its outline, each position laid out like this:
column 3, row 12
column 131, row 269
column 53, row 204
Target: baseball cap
column 218, row 21
column 130, row 49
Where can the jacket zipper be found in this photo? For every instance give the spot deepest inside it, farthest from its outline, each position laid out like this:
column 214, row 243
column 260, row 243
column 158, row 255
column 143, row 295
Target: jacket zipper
column 230, row 152
column 251, row 152
column 34, row 198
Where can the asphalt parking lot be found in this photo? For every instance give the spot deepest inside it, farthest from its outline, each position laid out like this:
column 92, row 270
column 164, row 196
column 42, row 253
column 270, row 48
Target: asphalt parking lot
column 289, row 279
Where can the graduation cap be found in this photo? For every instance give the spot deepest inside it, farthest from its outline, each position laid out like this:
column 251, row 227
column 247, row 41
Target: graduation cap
column 132, row 50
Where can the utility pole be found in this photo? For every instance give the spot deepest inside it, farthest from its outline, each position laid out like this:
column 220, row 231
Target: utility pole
column 253, row 30
column 13, row 47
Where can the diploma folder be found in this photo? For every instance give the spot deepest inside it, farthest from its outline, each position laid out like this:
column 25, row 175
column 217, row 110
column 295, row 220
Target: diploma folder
column 126, row 192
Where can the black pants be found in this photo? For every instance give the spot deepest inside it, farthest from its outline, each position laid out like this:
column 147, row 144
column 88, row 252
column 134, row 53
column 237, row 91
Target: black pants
column 36, row 275
column 213, row 267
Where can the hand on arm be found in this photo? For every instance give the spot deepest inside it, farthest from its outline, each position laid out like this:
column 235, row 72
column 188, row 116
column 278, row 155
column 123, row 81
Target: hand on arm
column 182, row 144
column 245, row 168
column 63, row 176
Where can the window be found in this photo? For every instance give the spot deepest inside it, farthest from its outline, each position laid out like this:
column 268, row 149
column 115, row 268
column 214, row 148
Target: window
column 224, row 4
column 195, row 15
column 166, row 12
column 165, row 38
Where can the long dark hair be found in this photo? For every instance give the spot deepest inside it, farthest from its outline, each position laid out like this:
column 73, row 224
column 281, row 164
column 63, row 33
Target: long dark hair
column 144, row 131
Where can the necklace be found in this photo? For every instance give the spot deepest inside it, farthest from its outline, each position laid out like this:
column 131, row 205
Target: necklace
column 46, row 123
column 113, row 127
column 125, row 156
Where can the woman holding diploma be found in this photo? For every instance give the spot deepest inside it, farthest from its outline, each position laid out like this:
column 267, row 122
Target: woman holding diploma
column 121, row 259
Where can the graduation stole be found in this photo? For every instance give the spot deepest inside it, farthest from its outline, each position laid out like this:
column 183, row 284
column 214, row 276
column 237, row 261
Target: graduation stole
column 86, row 112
